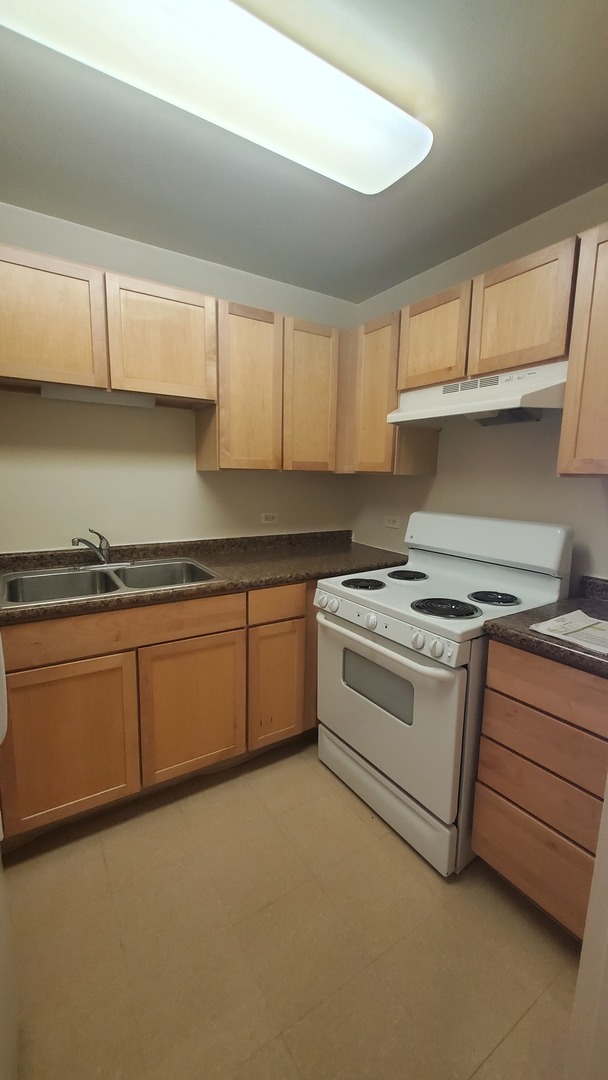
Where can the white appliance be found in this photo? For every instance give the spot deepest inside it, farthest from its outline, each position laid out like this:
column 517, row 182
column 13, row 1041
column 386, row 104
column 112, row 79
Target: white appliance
column 8, row 1018
column 508, row 397
column 402, row 660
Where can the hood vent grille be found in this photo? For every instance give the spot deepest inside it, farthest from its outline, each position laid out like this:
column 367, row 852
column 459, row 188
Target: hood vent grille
column 470, row 384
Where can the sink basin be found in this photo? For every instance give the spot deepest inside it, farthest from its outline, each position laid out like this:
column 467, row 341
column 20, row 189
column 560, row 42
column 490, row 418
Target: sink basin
column 40, row 586
column 163, row 573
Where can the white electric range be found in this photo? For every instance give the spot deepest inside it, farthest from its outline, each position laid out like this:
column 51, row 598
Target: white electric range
column 402, row 658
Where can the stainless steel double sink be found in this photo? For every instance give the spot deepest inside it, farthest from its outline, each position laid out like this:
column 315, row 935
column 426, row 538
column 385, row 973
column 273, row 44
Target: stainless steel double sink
column 79, row 583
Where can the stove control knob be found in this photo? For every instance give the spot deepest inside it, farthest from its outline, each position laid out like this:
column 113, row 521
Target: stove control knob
column 333, row 605
column 436, row 647
column 371, row 621
column 322, row 601
column 418, row 640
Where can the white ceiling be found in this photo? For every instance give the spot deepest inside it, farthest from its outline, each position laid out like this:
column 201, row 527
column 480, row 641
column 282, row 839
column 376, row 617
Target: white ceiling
column 515, row 91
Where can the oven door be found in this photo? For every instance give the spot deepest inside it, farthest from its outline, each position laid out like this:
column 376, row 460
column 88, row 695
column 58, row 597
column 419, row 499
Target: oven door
column 402, row 712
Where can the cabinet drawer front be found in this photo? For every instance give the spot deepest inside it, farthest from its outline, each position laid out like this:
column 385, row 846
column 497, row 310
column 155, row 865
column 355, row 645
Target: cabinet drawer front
column 271, row 605
column 56, row 640
column 555, row 873
column 566, row 808
column 574, row 754
column 566, row 692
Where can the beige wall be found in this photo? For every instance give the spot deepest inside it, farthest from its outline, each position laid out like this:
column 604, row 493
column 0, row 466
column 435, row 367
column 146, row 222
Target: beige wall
column 507, row 471
column 65, row 467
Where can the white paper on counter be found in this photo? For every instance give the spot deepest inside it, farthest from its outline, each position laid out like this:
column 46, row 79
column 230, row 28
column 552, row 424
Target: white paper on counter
column 579, row 629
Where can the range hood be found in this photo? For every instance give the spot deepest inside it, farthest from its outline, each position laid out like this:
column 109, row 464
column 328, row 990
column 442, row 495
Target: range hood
column 491, row 399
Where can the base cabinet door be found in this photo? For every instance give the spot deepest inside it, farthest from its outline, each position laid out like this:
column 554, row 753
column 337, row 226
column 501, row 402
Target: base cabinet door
column 72, row 741
column 276, row 681
column 192, row 700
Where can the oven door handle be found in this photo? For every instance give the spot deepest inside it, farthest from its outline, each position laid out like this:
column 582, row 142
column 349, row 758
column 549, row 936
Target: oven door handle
column 438, row 674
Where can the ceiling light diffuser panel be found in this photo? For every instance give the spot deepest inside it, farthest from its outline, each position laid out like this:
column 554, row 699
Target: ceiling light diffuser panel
column 217, row 61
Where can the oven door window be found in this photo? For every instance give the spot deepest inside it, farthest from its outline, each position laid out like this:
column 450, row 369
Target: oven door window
column 391, row 693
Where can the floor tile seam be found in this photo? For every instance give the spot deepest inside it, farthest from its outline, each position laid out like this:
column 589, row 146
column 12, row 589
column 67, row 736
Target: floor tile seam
column 299, row 848
column 292, row 890
column 296, row 806
column 506, row 1035
column 280, row 1036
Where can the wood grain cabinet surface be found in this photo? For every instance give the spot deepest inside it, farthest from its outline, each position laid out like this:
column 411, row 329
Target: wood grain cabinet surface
column 541, row 777
column 433, row 339
column 310, row 395
column 72, row 741
column 52, row 320
column 520, row 312
column 162, row 340
column 584, row 436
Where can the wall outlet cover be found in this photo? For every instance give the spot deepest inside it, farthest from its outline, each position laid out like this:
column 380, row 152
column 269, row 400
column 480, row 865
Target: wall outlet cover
column 391, row 521
column 269, row 519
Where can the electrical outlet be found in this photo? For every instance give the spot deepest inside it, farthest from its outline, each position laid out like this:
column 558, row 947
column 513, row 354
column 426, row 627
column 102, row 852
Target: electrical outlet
column 269, row 519
column 392, row 522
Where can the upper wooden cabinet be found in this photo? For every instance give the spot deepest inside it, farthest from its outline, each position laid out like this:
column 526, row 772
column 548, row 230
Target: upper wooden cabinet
column 277, row 391
column 433, row 340
column 310, row 389
column 520, row 313
column 584, row 438
column 367, row 393
column 52, row 320
column 161, row 340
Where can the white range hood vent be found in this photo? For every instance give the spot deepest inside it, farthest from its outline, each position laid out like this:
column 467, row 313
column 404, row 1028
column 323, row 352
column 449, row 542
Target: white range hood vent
column 510, row 397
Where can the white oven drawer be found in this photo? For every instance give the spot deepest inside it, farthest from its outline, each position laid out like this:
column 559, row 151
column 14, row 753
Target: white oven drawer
column 402, row 712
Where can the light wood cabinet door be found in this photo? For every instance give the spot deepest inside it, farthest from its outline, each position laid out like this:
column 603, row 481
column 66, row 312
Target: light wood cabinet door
column 583, row 446
column 192, row 701
column 376, row 394
column 520, row 313
column 250, row 387
column 276, row 682
column 72, row 742
column 161, row 340
column 433, row 339
column 52, row 320
column 310, row 389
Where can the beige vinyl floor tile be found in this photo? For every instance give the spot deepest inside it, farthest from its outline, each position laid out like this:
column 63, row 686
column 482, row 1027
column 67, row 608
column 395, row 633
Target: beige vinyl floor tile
column 382, row 892
column 300, row 951
column 272, row 1062
column 535, row 1048
column 252, row 870
column 223, row 809
column 326, row 831
column 266, row 924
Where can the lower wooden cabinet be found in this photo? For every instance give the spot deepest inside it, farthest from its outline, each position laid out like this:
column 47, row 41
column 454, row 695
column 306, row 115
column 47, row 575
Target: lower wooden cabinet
column 237, row 673
column 72, row 741
column 192, row 696
column 541, row 777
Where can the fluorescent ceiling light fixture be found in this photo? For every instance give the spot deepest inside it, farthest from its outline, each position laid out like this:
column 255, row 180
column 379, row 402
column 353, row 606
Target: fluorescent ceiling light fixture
column 213, row 59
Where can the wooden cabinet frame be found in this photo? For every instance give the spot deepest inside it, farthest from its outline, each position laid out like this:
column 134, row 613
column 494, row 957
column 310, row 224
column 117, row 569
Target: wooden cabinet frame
column 434, row 337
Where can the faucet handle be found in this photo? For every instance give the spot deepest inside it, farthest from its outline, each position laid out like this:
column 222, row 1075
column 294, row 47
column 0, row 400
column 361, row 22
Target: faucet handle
column 104, row 543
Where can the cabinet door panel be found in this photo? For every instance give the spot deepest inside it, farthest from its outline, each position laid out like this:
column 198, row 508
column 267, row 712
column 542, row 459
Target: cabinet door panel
column 162, row 340
column 433, row 339
column 310, row 386
column 276, row 682
column 52, row 320
column 552, row 871
column 520, row 313
column 250, row 387
column 192, row 696
column 72, row 742
column 584, row 437
column 376, row 394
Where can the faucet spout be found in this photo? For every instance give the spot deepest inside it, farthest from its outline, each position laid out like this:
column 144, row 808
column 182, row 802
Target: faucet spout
column 101, row 550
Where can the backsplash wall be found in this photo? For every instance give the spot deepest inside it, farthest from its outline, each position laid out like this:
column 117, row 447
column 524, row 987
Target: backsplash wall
column 507, row 471
column 130, row 473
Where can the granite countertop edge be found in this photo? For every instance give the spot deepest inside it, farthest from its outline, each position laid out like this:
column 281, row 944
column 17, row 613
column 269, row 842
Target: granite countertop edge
column 241, row 564
column 515, row 630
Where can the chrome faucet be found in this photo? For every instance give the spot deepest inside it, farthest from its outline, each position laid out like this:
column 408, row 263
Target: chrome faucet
column 102, row 550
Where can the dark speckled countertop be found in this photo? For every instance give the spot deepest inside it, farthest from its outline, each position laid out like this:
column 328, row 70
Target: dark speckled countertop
column 515, row 629
column 245, row 563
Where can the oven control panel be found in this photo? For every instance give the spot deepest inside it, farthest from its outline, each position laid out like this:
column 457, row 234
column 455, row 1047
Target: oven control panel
column 425, row 642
